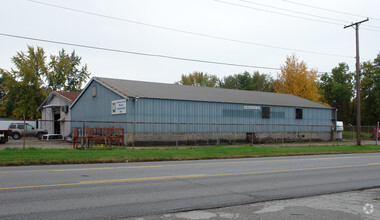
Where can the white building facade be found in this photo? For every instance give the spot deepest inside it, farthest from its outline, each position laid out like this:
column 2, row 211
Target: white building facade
column 55, row 112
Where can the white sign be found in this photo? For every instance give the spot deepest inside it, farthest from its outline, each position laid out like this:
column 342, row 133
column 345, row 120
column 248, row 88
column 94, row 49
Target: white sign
column 251, row 107
column 119, row 106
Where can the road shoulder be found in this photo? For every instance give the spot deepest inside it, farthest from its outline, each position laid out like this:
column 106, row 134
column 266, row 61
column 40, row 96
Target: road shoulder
column 362, row 204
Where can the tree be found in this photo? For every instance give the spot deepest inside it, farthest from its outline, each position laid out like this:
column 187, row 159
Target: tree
column 23, row 93
column 64, row 74
column 25, row 87
column 297, row 80
column 338, row 86
column 198, row 79
column 370, row 91
column 246, row 81
column 2, row 94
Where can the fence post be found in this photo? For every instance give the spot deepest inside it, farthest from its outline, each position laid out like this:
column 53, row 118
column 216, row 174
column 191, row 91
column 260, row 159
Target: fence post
column 283, row 133
column 377, row 133
column 253, row 131
column 82, row 139
column 311, row 132
column 217, row 132
column 176, row 139
column 333, row 136
column 23, row 145
column 133, row 134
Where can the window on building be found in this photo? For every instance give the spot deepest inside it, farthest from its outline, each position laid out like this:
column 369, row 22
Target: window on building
column 265, row 113
column 94, row 91
column 298, row 113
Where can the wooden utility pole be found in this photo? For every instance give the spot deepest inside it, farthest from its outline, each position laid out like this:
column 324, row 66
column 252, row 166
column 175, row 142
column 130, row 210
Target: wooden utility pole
column 358, row 119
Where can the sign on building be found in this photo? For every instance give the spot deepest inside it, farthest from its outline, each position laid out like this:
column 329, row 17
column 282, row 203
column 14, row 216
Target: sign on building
column 119, row 107
column 252, row 107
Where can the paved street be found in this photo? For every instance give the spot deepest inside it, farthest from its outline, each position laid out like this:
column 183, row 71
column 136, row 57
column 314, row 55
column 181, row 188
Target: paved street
column 141, row 189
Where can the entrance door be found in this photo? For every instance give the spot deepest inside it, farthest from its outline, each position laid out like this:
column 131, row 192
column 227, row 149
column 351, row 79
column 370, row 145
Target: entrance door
column 57, row 126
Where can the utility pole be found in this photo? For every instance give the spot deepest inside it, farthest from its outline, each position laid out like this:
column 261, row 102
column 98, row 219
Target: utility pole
column 358, row 119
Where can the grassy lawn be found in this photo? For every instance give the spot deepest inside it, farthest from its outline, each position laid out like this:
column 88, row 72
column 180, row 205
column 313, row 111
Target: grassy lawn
column 14, row 157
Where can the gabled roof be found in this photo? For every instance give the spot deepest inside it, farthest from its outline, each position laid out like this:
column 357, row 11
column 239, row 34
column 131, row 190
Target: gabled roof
column 68, row 96
column 130, row 88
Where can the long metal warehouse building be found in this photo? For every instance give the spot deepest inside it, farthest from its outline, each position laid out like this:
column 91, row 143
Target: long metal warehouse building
column 166, row 113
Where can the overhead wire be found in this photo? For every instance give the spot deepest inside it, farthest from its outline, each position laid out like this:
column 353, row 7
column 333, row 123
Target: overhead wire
column 288, row 15
column 190, row 32
column 137, row 53
column 303, row 13
column 330, row 10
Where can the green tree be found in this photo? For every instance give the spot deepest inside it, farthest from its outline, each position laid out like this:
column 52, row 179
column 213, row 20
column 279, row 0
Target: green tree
column 2, row 94
column 246, row 81
column 198, row 79
column 65, row 74
column 370, row 91
column 23, row 84
column 338, row 86
column 24, row 88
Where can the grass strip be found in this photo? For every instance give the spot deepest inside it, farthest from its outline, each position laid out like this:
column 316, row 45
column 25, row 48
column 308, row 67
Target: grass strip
column 33, row 156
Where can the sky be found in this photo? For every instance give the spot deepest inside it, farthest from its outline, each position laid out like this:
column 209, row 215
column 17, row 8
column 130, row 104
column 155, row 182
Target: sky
column 249, row 33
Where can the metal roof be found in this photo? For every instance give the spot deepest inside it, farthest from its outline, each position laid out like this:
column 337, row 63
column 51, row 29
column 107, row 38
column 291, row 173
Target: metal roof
column 130, row 88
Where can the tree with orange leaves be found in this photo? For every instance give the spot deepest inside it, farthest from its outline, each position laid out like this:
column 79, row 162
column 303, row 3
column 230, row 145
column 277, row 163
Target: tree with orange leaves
column 297, row 80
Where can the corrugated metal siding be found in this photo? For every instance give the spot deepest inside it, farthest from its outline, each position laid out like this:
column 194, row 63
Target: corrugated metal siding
column 147, row 110
column 173, row 111
column 98, row 108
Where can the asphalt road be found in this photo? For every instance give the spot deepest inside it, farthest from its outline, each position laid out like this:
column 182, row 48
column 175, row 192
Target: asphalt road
column 139, row 189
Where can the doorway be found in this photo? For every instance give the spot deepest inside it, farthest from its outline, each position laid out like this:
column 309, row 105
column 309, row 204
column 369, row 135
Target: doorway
column 57, row 124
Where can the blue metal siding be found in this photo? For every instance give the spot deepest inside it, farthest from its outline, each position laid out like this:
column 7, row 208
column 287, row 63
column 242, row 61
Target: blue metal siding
column 145, row 110
column 98, row 108
column 174, row 111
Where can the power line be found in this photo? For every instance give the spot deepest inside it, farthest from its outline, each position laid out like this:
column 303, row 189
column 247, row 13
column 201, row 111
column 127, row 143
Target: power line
column 326, row 9
column 302, row 13
column 138, row 53
column 288, row 15
column 191, row 33
column 278, row 13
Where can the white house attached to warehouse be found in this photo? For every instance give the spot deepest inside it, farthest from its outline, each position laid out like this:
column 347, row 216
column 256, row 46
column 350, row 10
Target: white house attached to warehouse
column 163, row 113
column 55, row 112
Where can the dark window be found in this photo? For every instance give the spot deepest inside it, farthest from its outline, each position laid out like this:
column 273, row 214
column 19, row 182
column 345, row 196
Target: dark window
column 20, row 126
column 298, row 113
column 12, row 126
column 265, row 113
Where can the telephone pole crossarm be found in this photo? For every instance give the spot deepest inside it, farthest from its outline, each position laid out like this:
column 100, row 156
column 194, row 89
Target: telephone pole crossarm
column 355, row 24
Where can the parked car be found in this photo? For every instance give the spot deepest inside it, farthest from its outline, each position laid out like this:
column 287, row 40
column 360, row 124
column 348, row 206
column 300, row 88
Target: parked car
column 18, row 131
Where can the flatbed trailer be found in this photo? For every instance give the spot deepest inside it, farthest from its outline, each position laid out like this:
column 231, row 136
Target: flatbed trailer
column 4, row 134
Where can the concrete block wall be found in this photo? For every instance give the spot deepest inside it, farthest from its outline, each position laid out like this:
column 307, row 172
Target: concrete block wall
column 142, row 139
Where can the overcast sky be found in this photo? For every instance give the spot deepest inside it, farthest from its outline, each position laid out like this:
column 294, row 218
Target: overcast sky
column 142, row 26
